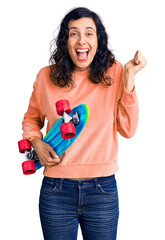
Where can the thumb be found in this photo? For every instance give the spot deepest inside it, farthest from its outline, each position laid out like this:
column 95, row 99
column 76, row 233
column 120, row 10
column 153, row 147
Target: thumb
column 137, row 65
column 52, row 152
column 136, row 61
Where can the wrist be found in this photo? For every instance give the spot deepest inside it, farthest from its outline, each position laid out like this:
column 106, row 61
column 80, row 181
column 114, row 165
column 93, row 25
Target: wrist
column 35, row 141
column 130, row 86
column 129, row 82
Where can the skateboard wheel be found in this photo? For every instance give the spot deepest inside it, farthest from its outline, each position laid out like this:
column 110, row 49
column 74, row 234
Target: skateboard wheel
column 63, row 106
column 67, row 130
column 24, row 145
column 28, row 167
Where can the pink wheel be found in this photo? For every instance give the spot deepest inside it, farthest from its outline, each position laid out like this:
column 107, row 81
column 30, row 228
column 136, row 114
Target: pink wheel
column 63, row 106
column 67, row 130
column 24, row 145
column 28, row 167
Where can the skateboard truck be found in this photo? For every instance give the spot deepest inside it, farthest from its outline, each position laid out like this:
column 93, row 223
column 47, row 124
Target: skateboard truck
column 74, row 118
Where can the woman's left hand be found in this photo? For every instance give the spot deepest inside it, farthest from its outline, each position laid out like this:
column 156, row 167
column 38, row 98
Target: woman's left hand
column 132, row 67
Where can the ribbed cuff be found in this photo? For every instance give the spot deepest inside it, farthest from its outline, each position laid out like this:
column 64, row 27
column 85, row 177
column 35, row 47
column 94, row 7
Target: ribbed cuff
column 32, row 135
column 129, row 98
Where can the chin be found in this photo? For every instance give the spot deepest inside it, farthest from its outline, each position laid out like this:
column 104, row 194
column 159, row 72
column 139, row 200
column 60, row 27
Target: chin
column 83, row 65
column 82, row 68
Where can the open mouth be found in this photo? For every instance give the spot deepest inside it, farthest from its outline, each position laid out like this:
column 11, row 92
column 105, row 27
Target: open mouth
column 82, row 54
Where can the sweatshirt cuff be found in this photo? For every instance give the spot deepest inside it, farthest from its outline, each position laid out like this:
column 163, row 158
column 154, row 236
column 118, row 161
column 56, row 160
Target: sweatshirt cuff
column 129, row 98
column 30, row 136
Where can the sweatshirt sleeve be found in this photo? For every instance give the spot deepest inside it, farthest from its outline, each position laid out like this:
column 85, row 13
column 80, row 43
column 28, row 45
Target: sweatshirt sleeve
column 127, row 109
column 33, row 120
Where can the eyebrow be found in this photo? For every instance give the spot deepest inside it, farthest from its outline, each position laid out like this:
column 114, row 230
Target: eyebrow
column 85, row 28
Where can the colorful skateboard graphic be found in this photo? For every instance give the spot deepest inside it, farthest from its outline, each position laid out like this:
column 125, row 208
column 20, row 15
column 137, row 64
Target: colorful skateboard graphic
column 60, row 137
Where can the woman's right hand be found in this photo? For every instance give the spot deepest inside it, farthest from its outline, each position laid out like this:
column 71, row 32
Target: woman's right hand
column 45, row 153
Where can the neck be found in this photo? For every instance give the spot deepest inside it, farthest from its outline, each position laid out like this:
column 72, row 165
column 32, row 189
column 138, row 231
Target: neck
column 77, row 69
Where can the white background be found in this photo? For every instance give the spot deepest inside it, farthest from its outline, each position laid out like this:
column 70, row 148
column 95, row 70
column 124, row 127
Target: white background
column 27, row 27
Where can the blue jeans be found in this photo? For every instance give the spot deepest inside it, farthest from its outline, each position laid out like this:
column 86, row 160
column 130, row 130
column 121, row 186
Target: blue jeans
column 66, row 203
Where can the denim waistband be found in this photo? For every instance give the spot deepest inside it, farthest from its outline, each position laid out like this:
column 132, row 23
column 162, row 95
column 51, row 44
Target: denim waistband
column 86, row 182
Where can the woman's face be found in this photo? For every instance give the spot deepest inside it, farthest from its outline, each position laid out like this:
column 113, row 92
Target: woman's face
column 82, row 42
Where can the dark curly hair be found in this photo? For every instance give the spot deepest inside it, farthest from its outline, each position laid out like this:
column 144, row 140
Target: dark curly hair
column 61, row 64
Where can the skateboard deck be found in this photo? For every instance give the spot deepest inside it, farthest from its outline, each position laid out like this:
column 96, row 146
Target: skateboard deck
column 54, row 138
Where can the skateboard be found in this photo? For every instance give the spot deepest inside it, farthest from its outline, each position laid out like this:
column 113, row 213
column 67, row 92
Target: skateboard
column 60, row 137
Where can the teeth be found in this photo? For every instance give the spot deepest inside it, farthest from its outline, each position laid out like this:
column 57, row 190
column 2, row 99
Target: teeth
column 82, row 50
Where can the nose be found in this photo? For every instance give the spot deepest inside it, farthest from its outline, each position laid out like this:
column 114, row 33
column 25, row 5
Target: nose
column 81, row 40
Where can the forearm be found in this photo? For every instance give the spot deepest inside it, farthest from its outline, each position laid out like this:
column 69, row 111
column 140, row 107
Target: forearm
column 35, row 142
column 129, row 82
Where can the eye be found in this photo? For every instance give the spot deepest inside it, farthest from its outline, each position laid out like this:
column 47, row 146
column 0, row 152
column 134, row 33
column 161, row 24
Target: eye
column 89, row 34
column 74, row 34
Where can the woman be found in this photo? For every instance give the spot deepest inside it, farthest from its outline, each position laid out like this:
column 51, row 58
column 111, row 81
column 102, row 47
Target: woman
column 79, row 186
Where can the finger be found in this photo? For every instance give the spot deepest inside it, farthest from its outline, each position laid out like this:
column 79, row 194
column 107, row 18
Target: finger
column 42, row 162
column 137, row 57
column 57, row 160
column 62, row 156
column 140, row 59
column 136, row 61
column 136, row 54
column 52, row 152
column 53, row 160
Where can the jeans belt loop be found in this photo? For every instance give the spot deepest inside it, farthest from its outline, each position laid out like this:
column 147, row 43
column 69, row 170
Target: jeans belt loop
column 96, row 183
column 60, row 183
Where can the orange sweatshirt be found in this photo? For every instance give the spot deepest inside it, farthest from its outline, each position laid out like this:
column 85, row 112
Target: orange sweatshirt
column 112, row 109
